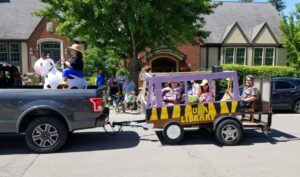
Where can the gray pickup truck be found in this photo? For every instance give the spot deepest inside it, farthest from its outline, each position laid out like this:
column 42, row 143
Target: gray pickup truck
column 48, row 116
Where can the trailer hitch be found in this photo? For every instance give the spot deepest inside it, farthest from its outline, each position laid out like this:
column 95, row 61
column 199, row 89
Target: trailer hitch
column 117, row 127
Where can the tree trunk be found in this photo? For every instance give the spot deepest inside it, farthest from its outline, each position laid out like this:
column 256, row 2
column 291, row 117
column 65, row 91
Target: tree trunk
column 134, row 70
column 134, row 63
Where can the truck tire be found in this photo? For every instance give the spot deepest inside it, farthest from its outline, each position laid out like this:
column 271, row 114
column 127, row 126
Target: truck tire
column 46, row 134
column 173, row 133
column 228, row 132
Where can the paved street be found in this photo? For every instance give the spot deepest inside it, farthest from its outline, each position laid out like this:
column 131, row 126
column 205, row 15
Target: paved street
column 139, row 153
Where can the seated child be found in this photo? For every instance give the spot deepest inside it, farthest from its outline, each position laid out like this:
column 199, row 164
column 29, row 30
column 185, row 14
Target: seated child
column 130, row 102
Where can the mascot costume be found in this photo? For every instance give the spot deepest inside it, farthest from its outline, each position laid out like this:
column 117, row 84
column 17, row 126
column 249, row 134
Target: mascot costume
column 53, row 77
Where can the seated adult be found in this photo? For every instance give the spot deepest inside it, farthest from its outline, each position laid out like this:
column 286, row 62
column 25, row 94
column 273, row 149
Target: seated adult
column 171, row 94
column 74, row 65
column 203, row 93
column 249, row 94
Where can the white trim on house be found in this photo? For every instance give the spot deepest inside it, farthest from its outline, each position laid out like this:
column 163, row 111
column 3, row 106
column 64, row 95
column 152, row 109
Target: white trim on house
column 61, row 42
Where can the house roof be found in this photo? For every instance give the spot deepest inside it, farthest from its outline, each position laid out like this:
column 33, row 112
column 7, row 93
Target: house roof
column 16, row 21
column 251, row 17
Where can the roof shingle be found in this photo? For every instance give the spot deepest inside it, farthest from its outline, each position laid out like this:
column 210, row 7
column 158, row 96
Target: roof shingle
column 16, row 21
column 249, row 16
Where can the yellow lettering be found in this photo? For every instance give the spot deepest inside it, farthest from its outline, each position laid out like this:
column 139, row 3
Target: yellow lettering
column 182, row 119
column 195, row 118
column 201, row 112
column 153, row 114
column 207, row 118
column 188, row 113
column 195, row 110
column 164, row 113
column 211, row 111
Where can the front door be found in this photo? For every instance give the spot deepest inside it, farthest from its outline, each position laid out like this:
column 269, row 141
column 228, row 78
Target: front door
column 164, row 65
column 53, row 48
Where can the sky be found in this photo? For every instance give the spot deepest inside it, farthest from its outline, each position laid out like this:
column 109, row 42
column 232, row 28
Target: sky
column 290, row 4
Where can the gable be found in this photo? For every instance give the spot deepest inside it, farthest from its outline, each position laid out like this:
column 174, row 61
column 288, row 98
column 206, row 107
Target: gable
column 265, row 37
column 235, row 36
column 249, row 16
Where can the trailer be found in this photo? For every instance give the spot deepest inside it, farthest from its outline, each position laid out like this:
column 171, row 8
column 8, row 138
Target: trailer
column 224, row 117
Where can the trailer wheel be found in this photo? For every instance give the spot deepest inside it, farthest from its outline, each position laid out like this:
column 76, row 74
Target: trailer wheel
column 228, row 132
column 46, row 134
column 173, row 133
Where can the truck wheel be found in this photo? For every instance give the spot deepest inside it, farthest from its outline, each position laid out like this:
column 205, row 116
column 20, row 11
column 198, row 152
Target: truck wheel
column 173, row 133
column 46, row 134
column 296, row 107
column 228, row 132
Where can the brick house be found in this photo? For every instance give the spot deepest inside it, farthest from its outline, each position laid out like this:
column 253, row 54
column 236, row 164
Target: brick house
column 24, row 37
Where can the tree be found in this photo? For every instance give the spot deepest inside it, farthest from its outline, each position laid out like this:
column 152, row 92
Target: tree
column 246, row 0
column 98, row 60
column 127, row 27
column 278, row 4
column 290, row 36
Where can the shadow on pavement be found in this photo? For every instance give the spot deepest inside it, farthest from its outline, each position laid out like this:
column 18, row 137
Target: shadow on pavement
column 94, row 141
column 77, row 142
column 250, row 137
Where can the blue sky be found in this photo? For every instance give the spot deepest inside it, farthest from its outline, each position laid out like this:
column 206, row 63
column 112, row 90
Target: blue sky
column 290, row 4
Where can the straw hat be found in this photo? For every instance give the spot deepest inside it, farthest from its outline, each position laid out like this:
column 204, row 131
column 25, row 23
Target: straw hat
column 205, row 81
column 76, row 47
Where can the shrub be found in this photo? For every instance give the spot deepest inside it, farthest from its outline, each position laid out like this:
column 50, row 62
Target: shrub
column 273, row 71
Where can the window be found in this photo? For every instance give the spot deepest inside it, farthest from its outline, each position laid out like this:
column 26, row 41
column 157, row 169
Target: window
column 229, row 53
column 10, row 52
column 258, row 56
column 235, row 55
column 53, row 48
column 15, row 53
column 283, row 85
column 240, row 56
column 269, row 56
column 264, row 56
column 296, row 82
column 3, row 52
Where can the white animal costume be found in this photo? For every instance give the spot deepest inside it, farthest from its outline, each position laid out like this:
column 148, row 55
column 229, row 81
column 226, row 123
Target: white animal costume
column 46, row 68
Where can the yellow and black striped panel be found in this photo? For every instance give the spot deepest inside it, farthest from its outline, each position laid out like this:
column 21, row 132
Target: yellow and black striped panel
column 192, row 113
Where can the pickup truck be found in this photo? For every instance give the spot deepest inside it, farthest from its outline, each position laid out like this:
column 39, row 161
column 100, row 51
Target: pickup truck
column 48, row 116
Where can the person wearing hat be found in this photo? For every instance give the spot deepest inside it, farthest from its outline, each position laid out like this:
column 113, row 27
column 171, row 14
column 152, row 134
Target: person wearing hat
column 203, row 93
column 74, row 65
